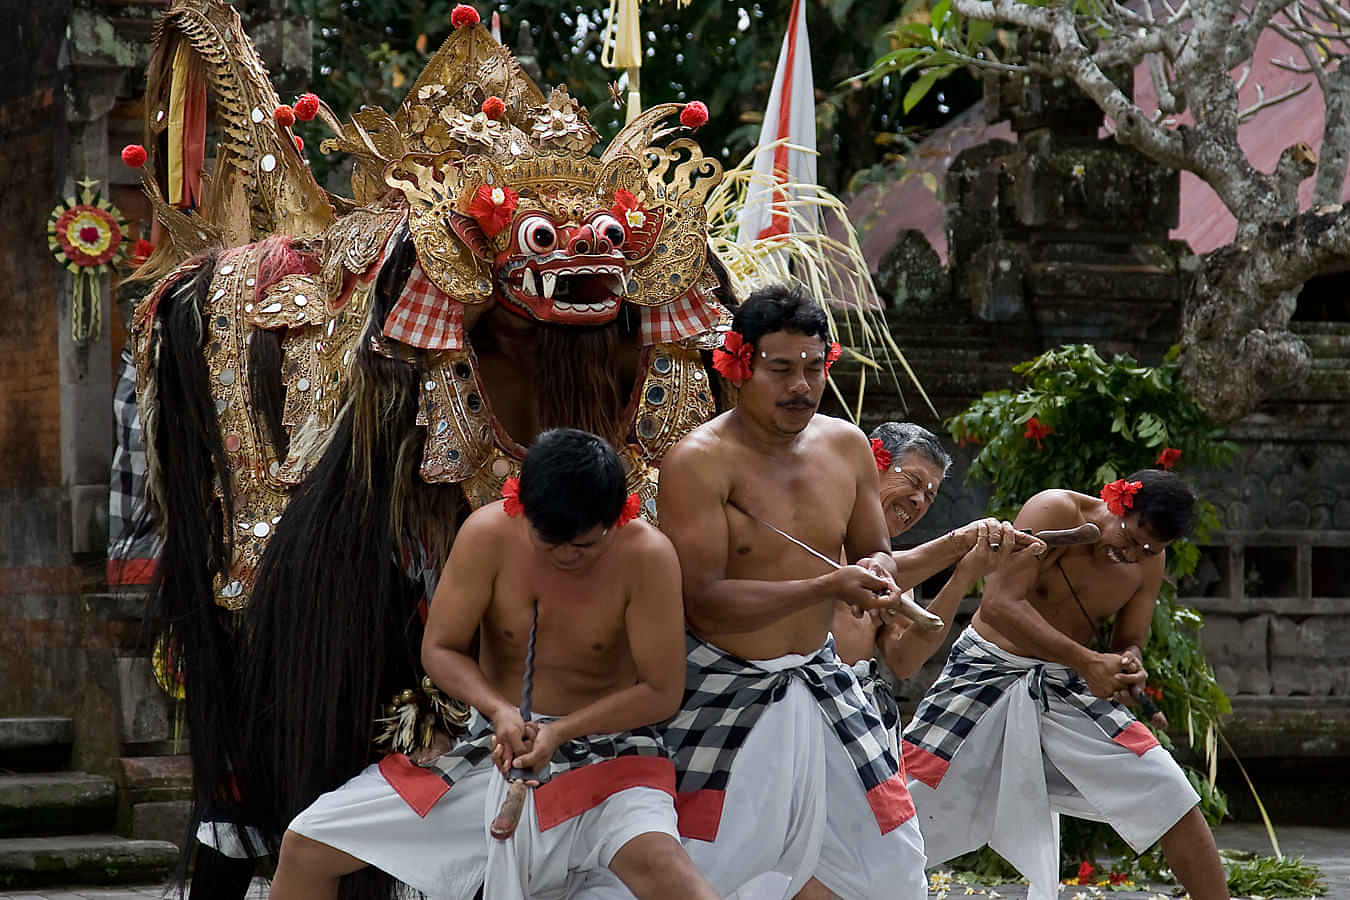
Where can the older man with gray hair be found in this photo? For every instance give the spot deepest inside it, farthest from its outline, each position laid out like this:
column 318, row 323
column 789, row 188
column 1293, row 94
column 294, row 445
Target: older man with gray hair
column 912, row 464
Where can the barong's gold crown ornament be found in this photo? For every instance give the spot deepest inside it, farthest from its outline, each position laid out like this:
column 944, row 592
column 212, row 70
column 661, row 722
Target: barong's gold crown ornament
column 506, row 199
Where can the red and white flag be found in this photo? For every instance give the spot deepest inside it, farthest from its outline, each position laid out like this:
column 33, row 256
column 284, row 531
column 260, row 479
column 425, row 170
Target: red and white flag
column 790, row 115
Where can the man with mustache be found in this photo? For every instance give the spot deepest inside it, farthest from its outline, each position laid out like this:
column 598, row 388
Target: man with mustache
column 783, row 765
column 1026, row 721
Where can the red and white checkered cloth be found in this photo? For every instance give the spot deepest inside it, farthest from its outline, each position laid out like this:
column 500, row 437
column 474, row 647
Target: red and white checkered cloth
column 425, row 316
column 685, row 316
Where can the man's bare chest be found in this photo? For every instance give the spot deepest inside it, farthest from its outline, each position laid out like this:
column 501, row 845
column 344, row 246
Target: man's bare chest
column 1076, row 589
column 812, row 507
column 577, row 621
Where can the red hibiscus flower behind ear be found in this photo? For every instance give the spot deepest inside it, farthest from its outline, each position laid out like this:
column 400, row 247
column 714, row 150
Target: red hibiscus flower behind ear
column 493, row 208
column 881, row 455
column 732, row 359
column 1168, row 457
column 1119, row 495
column 629, row 511
column 832, row 355
column 511, row 496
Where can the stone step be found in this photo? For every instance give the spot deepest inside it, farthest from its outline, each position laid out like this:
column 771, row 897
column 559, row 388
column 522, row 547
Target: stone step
column 36, row 862
column 30, row 743
column 154, row 799
column 56, row 803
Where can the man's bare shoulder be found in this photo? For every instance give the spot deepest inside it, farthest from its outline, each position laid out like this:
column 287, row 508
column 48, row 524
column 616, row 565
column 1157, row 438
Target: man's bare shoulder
column 843, row 435
column 645, row 552
column 704, row 444
column 486, row 529
column 1054, row 509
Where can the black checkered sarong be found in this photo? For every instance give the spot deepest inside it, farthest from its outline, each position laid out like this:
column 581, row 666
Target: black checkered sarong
column 977, row 674
column 725, row 696
column 133, row 541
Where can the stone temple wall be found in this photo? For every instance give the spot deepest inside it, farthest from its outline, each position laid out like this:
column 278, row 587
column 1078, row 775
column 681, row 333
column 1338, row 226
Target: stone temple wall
column 1063, row 238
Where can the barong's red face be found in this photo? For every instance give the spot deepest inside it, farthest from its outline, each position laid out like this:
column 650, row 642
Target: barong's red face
column 1131, row 542
column 575, row 555
column 566, row 272
column 786, row 381
column 908, row 488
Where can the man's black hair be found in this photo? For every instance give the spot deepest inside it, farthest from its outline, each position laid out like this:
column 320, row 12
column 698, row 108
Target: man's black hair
column 1165, row 503
column 780, row 307
column 571, row 482
column 899, row 438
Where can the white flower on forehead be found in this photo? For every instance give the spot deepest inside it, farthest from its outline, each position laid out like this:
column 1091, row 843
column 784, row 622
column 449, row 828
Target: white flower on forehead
column 498, row 196
column 636, row 218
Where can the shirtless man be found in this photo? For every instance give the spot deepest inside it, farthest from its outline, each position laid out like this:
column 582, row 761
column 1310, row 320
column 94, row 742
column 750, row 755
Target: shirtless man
column 1035, row 710
column 769, row 794
column 604, row 592
column 912, row 465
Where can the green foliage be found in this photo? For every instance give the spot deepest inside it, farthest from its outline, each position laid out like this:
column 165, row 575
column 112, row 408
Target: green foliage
column 1265, row 876
column 1079, row 423
column 1106, row 420
column 984, row 866
column 932, row 41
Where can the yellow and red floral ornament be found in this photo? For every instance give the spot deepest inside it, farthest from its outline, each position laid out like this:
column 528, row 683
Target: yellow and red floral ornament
column 88, row 237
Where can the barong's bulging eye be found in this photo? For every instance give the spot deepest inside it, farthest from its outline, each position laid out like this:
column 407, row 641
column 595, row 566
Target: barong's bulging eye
column 609, row 228
column 537, row 234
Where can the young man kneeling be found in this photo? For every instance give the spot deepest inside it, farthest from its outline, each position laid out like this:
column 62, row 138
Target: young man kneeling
column 597, row 597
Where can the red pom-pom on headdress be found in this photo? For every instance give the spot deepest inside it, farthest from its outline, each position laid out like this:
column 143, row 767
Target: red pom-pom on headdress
column 284, row 116
column 732, row 359
column 881, row 455
column 694, row 114
column 494, row 108
column 134, row 155
column 464, row 15
column 631, row 506
column 511, row 497
column 1119, row 495
column 493, row 208
column 307, row 107
column 299, row 143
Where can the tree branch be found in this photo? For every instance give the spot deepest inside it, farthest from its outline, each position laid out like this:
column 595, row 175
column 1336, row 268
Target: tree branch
column 1335, row 137
column 1263, row 103
column 1247, row 33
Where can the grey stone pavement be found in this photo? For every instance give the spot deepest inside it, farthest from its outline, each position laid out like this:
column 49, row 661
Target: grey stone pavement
column 1329, row 848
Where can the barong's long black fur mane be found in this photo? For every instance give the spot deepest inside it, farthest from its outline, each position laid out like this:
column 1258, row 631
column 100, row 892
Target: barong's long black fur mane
column 333, row 627
column 197, row 545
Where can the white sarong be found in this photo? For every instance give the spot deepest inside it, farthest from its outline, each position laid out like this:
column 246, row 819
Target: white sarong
column 1027, row 758
column 449, row 853
column 795, row 807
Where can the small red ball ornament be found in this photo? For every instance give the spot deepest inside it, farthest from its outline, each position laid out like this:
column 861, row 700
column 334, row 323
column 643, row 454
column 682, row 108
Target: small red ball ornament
column 494, row 108
column 134, row 155
column 307, row 107
column 299, row 143
column 464, row 15
column 284, row 116
column 694, row 114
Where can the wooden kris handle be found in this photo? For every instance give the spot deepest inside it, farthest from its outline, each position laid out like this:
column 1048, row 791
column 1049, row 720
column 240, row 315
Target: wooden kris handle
column 921, row 617
column 509, row 815
column 1087, row 533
